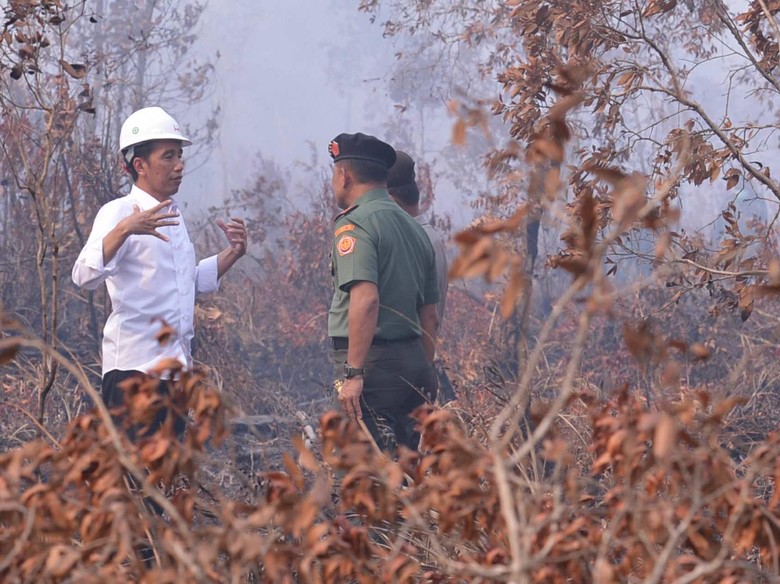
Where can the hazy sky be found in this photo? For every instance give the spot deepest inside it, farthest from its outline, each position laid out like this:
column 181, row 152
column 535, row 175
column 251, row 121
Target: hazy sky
column 293, row 75
column 277, row 85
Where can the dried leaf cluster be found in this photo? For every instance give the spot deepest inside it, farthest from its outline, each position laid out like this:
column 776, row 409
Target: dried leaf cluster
column 661, row 499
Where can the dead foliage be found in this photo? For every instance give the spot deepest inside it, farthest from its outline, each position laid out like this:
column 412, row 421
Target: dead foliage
column 658, row 498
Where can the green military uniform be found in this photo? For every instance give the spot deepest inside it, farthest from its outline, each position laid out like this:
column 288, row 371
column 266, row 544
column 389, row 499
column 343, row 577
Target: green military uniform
column 376, row 241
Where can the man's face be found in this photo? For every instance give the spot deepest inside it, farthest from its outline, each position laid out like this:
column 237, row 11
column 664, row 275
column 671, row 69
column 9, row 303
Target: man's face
column 161, row 173
column 339, row 184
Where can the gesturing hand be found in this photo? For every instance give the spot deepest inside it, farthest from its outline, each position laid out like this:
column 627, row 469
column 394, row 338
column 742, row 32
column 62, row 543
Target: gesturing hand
column 236, row 234
column 149, row 221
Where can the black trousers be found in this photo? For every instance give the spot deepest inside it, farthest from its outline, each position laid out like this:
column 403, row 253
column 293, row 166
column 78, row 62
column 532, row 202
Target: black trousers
column 446, row 392
column 398, row 379
column 113, row 397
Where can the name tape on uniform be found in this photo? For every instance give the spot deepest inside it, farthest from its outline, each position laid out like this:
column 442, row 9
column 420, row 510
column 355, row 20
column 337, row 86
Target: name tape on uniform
column 343, row 228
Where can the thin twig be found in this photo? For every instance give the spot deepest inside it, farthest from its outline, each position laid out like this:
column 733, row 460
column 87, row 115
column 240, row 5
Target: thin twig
column 758, row 273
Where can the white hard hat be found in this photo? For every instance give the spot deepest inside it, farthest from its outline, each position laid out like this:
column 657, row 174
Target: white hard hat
column 149, row 123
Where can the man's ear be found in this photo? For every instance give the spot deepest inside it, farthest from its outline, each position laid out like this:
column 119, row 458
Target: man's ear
column 138, row 163
column 338, row 175
column 346, row 175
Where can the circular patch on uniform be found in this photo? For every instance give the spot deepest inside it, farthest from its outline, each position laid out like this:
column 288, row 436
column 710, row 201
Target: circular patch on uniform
column 346, row 245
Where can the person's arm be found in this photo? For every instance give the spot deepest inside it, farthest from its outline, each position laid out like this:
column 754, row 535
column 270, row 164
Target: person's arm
column 137, row 223
column 363, row 315
column 236, row 234
column 429, row 321
column 98, row 259
column 210, row 270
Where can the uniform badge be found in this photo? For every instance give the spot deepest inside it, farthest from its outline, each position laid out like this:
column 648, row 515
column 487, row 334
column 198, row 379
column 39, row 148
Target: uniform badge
column 343, row 228
column 346, row 245
column 333, row 148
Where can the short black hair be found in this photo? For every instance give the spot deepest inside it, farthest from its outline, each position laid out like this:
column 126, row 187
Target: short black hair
column 142, row 150
column 366, row 171
column 408, row 194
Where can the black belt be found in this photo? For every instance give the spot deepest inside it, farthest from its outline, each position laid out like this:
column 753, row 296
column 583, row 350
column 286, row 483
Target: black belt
column 341, row 343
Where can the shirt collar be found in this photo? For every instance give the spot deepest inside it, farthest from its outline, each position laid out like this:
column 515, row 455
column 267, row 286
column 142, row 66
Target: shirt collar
column 145, row 200
column 373, row 195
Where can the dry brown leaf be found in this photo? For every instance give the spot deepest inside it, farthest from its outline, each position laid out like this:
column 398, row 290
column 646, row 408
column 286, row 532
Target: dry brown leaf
column 306, row 457
column 603, row 572
column 747, row 295
column 8, row 349
column 628, row 199
column 212, row 313
column 166, row 334
column 75, row 70
column 294, row 470
column 639, row 341
column 468, row 236
column 671, row 374
column 507, row 225
column 512, row 292
column 543, row 149
column 459, row 133
column 564, row 105
column 552, row 183
column 699, row 350
column 612, row 175
column 665, row 437
column 662, row 245
column 774, row 272
column 477, row 268
column 155, row 449
column 166, row 365
column 499, row 262
column 61, row 560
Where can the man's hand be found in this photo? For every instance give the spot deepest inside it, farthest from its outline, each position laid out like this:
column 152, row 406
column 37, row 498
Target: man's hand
column 236, row 234
column 349, row 396
column 149, row 221
column 137, row 223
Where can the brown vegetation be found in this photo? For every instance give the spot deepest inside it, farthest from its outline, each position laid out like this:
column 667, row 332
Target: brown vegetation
column 618, row 426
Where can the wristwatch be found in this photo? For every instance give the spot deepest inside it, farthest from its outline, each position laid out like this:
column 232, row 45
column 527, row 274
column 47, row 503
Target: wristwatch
column 350, row 372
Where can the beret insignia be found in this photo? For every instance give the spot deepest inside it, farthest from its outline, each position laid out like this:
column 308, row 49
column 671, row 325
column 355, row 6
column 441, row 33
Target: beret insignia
column 333, row 149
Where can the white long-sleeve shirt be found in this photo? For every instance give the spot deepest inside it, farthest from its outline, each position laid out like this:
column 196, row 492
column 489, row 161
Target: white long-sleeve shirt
column 149, row 281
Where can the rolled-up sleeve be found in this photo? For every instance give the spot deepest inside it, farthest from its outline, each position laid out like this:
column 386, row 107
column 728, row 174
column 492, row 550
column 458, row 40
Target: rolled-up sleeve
column 206, row 272
column 89, row 272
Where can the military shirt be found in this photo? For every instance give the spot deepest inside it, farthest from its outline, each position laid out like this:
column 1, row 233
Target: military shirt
column 377, row 241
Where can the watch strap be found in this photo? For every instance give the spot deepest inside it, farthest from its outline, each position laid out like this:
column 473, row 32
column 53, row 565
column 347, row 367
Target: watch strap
column 350, row 372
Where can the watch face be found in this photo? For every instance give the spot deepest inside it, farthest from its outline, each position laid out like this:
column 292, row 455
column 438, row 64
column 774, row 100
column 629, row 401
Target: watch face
column 350, row 372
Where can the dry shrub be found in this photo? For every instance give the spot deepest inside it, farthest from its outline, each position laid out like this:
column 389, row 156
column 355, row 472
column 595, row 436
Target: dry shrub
column 658, row 498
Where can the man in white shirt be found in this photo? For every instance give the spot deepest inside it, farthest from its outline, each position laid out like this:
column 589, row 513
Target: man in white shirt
column 140, row 248
column 402, row 185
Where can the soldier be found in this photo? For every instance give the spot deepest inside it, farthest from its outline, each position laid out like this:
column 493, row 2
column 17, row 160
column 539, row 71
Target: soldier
column 383, row 318
column 402, row 185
